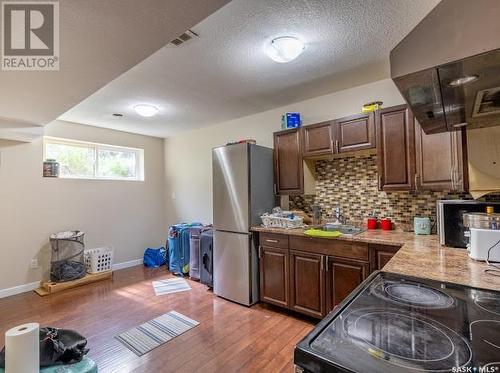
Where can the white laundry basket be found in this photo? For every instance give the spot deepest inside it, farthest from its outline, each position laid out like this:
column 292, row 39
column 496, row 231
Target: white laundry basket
column 99, row 260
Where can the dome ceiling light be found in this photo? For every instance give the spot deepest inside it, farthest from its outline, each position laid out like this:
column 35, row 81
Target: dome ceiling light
column 146, row 110
column 285, row 49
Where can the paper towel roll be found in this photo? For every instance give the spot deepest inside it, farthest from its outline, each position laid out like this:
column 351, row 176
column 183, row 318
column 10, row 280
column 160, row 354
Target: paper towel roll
column 22, row 349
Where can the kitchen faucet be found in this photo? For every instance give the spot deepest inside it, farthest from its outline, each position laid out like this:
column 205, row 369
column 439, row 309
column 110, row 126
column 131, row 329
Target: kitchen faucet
column 339, row 216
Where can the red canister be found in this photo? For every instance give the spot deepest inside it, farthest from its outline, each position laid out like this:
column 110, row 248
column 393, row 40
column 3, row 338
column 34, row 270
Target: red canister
column 371, row 223
column 386, row 224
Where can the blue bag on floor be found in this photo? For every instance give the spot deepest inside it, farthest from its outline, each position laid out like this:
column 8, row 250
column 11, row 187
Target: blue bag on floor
column 155, row 257
column 178, row 248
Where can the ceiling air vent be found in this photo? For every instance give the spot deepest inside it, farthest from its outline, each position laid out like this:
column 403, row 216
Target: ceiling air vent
column 185, row 37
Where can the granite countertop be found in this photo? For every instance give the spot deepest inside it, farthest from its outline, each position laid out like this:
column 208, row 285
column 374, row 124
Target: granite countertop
column 419, row 256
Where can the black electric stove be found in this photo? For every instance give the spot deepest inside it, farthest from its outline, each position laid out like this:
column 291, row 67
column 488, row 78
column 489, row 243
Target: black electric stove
column 394, row 323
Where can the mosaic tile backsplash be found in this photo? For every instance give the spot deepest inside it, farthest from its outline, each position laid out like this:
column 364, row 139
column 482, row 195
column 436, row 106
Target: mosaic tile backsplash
column 351, row 183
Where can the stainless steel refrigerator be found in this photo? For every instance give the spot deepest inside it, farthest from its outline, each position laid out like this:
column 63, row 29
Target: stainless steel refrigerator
column 243, row 189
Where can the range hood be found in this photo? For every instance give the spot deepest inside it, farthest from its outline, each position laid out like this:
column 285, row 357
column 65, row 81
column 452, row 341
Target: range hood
column 448, row 67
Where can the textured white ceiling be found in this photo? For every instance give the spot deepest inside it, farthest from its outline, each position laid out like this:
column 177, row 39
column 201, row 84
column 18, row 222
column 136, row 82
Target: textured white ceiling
column 225, row 73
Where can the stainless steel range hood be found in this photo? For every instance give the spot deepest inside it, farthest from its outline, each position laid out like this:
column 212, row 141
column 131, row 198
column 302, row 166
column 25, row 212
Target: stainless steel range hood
column 448, row 66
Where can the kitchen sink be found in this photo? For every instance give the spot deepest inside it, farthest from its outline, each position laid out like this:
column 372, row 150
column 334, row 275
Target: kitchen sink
column 344, row 229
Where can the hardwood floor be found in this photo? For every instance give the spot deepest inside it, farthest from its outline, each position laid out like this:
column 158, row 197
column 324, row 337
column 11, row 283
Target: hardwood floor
column 230, row 337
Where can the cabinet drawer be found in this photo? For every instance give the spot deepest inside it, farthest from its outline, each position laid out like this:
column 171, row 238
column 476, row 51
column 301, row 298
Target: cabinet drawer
column 337, row 248
column 274, row 240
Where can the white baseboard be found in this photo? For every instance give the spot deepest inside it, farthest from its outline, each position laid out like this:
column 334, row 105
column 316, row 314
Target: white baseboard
column 130, row 263
column 19, row 289
column 35, row 285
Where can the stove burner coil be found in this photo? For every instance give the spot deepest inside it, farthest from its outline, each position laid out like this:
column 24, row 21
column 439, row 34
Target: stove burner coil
column 414, row 294
column 488, row 304
column 408, row 341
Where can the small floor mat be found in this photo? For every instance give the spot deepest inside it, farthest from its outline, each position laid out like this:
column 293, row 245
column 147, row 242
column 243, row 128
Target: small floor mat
column 171, row 285
column 156, row 332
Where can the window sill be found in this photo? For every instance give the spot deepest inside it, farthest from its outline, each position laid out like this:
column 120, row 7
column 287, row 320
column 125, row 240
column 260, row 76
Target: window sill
column 91, row 179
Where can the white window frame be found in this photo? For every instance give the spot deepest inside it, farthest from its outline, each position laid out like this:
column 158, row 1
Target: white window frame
column 139, row 154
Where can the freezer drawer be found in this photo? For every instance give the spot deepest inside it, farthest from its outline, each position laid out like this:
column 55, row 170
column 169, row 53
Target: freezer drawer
column 235, row 272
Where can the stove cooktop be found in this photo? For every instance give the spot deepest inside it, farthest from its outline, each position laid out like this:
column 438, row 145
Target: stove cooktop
column 394, row 323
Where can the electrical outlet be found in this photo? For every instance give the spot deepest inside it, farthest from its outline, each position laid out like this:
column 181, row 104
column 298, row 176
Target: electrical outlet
column 34, row 263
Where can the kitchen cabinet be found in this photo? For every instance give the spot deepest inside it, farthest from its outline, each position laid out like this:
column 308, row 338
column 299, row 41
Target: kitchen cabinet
column 288, row 162
column 307, row 283
column 318, row 139
column 317, row 273
column 396, row 148
column 342, row 277
column 380, row 256
column 293, row 175
column 408, row 159
column 439, row 160
column 274, row 275
column 348, row 134
column 355, row 132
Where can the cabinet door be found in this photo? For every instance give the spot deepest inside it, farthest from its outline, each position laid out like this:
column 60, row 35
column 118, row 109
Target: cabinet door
column 342, row 277
column 289, row 168
column 307, row 283
column 274, row 275
column 356, row 132
column 396, row 148
column 380, row 256
column 318, row 139
column 439, row 160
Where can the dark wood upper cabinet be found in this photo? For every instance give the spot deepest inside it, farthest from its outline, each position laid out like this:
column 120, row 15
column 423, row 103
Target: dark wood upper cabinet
column 307, row 283
column 396, row 148
column 353, row 133
column 289, row 169
column 342, row 277
column 274, row 275
column 318, row 139
column 439, row 160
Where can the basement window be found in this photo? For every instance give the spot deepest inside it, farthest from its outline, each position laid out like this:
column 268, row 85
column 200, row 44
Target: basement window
column 87, row 160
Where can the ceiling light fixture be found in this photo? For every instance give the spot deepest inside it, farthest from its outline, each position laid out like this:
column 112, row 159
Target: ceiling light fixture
column 117, row 115
column 463, row 80
column 146, row 110
column 285, row 49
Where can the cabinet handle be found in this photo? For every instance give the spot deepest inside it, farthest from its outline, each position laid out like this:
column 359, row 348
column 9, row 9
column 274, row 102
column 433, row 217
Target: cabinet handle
column 273, row 241
column 274, row 188
column 321, row 263
column 416, row 181
column 337, row 145
column 331, row 146
column 453, row 179
column 326, row 264
column 260, row 252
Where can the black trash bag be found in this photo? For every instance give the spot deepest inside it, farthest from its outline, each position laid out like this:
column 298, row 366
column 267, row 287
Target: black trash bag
column 58, row 346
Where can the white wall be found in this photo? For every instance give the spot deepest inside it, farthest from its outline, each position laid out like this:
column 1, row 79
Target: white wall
column 126, row 214
column 188, row 156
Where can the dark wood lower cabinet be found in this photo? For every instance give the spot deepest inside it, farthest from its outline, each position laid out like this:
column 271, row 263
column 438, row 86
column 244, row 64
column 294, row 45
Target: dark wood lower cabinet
column 307, row 283
column 342, row 277
column 380, row 255
column 313, row 275
column 274, row 275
